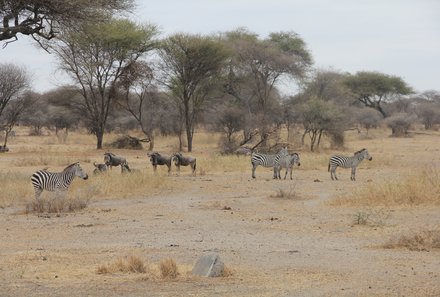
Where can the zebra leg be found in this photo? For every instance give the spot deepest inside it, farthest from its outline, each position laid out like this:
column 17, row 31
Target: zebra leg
column 38, row 192
column 333, row 173
column 353, row 173
column 253, row 170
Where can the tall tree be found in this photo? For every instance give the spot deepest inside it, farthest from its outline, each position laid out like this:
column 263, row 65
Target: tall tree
column 190, row 66
column 44, row 19
column 95, row 58
column 258, row 65
column 375, row 89
column 14, row 81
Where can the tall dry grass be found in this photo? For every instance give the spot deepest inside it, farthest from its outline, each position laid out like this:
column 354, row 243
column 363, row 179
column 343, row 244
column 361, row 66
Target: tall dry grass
column 422, row 241
column 15, row 188
column 421, row 187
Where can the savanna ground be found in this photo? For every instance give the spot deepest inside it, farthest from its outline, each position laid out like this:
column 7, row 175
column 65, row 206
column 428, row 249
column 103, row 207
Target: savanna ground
column 378, row 236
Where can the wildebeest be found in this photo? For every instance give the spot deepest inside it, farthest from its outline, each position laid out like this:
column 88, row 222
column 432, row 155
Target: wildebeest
column 111, row 160
column 180, row 160
column 158, row 159
column 99, row 168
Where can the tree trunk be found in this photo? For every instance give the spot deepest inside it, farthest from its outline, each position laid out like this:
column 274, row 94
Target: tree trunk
column 151, row 145
column 99, row 138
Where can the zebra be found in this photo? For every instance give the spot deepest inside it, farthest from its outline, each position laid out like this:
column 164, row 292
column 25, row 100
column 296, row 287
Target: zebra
column 111, row 160
column 56, row 181
column 286, row 162
column 266, row 160
column 347, row 162
column 99, row 168
column 158, row 159
column 179, row 159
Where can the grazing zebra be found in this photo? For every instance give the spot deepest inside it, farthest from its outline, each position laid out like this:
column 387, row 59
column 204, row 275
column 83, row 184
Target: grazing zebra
column 179, row 159
column 266, row 160
column 347, row 162
column 56, row 181
column 111, row 160
column 286, row 162
column 158, row 159
column 99, row 168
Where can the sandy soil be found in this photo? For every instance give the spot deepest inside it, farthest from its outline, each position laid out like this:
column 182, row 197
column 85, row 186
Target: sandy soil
column 301, row 246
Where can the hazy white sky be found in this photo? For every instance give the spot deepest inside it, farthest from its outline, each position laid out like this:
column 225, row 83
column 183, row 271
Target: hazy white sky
column 397, row 37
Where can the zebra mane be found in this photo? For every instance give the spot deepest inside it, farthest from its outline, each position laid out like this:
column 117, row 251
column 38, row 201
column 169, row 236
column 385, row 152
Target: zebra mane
column 358, row 152
column 71, row 165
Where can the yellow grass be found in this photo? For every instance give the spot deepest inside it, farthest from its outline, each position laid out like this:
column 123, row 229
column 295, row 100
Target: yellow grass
column 422, row 241
column 421, row 187
column 130, row 264
column 168, row 268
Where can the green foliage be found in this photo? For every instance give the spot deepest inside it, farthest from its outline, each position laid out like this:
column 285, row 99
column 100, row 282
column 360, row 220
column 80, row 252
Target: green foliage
column 293, row 44
column 372, row 88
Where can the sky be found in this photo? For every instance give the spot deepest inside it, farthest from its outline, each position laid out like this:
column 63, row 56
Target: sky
column 395, row 37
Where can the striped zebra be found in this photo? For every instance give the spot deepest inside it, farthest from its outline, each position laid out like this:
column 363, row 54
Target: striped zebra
column 347, row 162
column 266, row 160
column 56, row 181
column 286, row 162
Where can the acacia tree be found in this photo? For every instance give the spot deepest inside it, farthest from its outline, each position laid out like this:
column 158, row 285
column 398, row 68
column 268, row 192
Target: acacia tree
column 373, row 89
column 14, row 82
column 15, row 110
column 44, row 19
column 139, row 97
column 258, row 65
column 189, row 67
column 95, row 58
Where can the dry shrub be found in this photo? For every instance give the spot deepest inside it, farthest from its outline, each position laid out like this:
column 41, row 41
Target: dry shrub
column 420, row 188
column 57, row 204
column 227, row 272
column 168, row 268
column 130, row 264
column 290, row 194
column 423, row 241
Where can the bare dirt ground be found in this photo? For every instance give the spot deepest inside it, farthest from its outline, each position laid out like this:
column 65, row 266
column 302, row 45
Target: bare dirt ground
column 297, row 246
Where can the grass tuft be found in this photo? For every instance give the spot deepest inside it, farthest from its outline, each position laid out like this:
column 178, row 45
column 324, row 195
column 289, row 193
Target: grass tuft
column 168, row 268
column 423, row 241
column 130, row 264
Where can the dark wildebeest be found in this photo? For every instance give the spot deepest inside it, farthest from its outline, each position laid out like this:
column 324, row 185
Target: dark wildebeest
column 158, row 159
column 111, row 160
column 180, row 160
column 99, row 168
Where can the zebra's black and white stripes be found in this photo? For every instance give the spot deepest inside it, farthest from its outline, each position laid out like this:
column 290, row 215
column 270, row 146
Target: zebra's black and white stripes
column 286, row 162
column 266, row 160
column 56, row 181
column 347, row 162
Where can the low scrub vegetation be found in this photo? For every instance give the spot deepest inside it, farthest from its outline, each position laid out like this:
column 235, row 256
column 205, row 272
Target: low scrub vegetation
column 288, row 194
column 422, row 187
column 57, row 204
column 130, row 264
column 168, row 269
column 422, row 241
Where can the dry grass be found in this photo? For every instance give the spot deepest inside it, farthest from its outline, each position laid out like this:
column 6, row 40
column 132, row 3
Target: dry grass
column 423, row 241
column 15, row 188
column 57, row 204
column 422, row 187
column 289, row 194
column 168, row 268
column 130, row 264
